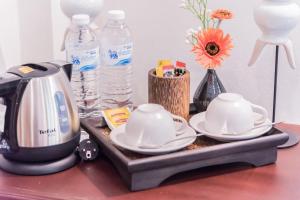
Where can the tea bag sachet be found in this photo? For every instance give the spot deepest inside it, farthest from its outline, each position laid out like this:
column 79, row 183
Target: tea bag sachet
column 116, row 117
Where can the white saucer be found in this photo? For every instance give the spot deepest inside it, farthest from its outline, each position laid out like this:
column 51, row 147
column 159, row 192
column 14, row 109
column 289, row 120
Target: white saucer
column 197, row 122
column 118, row 134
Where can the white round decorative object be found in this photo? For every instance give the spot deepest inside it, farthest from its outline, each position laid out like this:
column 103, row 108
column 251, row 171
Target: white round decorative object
column 88, row 7
column 276, row 19
column 92, row 8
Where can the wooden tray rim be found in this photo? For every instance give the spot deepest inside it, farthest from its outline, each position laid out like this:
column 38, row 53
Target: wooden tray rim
column 166, row 160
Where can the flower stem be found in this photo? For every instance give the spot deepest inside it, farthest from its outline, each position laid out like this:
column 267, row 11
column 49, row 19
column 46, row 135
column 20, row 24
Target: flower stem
column 204, row 14
column 198, row 10
column 219, row 23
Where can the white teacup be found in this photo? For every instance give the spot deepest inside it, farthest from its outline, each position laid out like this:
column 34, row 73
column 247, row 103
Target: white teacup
column 231, row 113
column 151, row 124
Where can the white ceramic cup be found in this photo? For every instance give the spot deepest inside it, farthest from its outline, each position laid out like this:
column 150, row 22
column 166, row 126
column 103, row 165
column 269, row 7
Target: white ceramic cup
column 231, row 113
column 151, row 124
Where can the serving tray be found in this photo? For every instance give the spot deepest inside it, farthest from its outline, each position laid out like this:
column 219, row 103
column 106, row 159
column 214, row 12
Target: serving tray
column 144, row 172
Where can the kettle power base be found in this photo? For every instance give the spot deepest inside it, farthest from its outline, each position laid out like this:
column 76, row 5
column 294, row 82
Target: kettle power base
column 35, row 169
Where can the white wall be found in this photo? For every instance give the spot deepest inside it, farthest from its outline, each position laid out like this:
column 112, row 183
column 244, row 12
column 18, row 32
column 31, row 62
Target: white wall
column 35, row 30
column 25, row 31
column 9, row 33
column 158, row 28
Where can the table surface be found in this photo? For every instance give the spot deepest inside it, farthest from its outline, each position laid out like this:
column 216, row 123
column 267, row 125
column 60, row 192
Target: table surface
column 100, row 180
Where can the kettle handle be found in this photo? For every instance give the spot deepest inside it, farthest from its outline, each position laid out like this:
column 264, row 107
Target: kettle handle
column 8, row 84
column 11, row 90
column 68, row 70
column 67, row 67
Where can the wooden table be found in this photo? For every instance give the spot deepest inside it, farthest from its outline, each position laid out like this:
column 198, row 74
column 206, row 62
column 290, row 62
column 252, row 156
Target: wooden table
column 99, row 180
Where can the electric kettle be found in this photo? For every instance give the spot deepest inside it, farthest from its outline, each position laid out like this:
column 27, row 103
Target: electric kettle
column 41, row 120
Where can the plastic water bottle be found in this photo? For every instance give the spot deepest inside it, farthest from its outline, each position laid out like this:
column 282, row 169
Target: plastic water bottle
column 82, row 50
column 116, row 56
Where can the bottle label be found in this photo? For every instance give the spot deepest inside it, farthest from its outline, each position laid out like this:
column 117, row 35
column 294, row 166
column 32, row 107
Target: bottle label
column 117, row 55
column 84, row 60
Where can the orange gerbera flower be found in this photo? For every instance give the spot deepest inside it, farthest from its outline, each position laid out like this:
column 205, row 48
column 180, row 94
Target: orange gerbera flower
column 221, row 14
column 212, row 47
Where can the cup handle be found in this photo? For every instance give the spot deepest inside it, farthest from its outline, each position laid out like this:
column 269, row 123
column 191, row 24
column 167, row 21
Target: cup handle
column 261, row 111
column 184, row 124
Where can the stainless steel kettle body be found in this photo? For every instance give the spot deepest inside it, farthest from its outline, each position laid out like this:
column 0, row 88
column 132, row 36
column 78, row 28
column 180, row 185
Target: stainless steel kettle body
column 46, row 125
column 48, row 113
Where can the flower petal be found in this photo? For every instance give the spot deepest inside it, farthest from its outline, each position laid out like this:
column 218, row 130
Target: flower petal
column 203, row 55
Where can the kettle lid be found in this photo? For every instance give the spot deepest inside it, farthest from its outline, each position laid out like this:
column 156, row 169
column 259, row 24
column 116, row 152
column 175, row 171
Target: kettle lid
column 32, row 70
